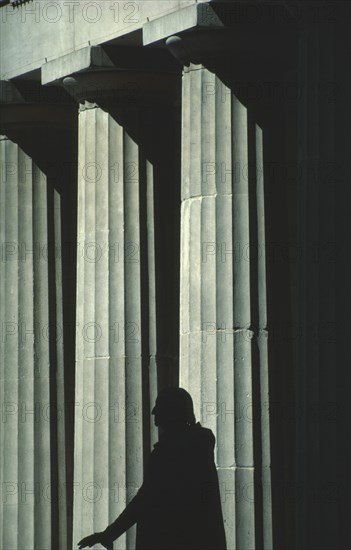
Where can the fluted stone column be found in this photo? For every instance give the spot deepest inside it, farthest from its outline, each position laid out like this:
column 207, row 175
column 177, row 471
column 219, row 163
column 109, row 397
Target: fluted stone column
column 33, row 471
column 28, row 484
column 108, row 446
column 262, row 341
column 116, row 338
column 219, row 194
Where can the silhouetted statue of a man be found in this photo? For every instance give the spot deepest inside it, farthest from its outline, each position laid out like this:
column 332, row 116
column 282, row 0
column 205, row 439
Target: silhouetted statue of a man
column 178, row 506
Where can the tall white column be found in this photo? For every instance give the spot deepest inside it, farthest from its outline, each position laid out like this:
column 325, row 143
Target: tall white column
column 117, row 317
column 215, row 295
column 34, row 315
column 108, row 427
column 26, row 477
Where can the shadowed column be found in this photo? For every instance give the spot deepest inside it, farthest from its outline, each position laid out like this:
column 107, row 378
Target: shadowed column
column 215, row 300
column 25, row 380
column 33, row 377
column 117, row 354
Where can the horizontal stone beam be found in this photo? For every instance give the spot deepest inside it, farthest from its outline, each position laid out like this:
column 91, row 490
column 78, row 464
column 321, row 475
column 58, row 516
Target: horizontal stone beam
column 90, row 57
column 192, row 17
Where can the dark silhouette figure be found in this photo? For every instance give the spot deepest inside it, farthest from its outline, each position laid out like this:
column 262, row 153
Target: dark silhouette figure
column 178, row 506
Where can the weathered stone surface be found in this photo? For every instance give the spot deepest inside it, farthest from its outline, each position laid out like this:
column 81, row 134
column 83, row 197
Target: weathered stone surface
column 109, row 360
column 33, row 302
column 216, row 363
column 60, row 28
column 118, row 297
column 89, row 57
column 197, row 15
column 26, row 477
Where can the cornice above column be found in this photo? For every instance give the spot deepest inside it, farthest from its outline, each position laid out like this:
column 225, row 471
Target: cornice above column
column 109, row 73
column 27, row 103
column 186, row 19
column 257, row 30
column 88, row 58
column 121, row 84
column 194, row 47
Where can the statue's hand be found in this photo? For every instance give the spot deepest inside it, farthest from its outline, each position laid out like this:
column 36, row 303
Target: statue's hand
column 95, row 538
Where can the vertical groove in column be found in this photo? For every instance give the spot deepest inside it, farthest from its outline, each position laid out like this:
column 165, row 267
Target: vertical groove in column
column 153, row 363
column 27, row 315
column 184, row 293
column 195, row 205
column 263, row 346
column 60, row 409
column 109, row 431
column 117, row 392
column 27, row 347
column 89, row 326
column 207, row 234
column 42, row 466
column 79, row 392
column 245, row 533
column 133, row 379
column 25, row 372
column 242, row 316
column 10, row 340
column 224, row 285
column 184, row 310
column 100, row 316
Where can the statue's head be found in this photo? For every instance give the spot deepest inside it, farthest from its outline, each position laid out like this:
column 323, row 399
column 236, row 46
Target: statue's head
column 173, row 409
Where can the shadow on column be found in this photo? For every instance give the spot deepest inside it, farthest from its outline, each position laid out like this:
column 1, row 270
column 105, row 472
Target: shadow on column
column 53, row 148
column 262, row 88
column 154, row 127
